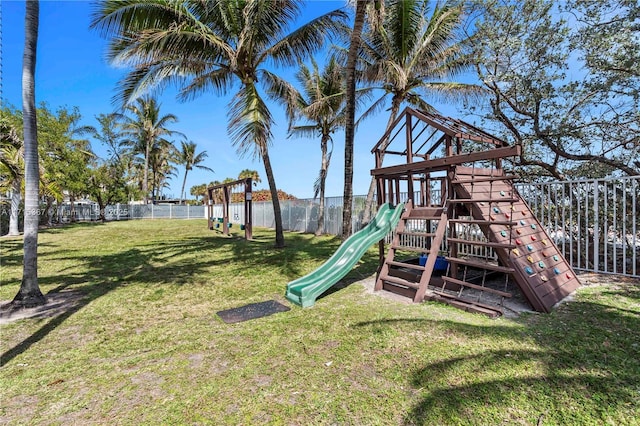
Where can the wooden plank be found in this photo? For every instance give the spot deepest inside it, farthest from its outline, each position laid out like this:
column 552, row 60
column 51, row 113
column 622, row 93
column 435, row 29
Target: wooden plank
column 400, row 281
column 408, row 248
column 482, row 243
column 446, row 162
column 482, row 222
column 480, row 265
column 476, row 286
column 417, row 234
column 477, row 180
column 405, row 265
column 403, row 291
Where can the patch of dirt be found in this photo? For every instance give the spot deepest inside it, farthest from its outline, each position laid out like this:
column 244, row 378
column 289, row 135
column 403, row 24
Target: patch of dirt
column 57, row 303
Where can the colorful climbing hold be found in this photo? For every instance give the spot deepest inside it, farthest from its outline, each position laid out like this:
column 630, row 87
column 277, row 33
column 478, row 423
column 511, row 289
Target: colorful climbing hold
column 528, row 270
column 496, row 210
column 568, row 276
column 529, row 247
column 519, row 231
column 533, row 226
column 481, row 203
column 524, row 212
column 523, row 223
column 544, row 242
column 503, row 233
column 541, row 264
column 556, row 271
column 506, row 215
column 502, row 193
column 555, row 257
column 492, row 217
column 544, row 278
column 533, row 238
column 518, row 242
column 530, row 259
column 516, row 252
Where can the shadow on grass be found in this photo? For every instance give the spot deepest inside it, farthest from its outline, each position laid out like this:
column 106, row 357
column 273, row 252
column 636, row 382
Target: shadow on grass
column 176, row 262
column 584, row 368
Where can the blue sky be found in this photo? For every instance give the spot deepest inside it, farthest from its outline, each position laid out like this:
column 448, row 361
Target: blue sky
column 72, row 71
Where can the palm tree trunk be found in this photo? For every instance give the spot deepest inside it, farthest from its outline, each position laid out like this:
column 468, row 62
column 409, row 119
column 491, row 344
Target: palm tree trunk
column 277, row 213
column 29, row 293
column 14, row 229
column 184, row 182
column 323, row 178
column 368, row 207
column 349, row 130
column 145, row 178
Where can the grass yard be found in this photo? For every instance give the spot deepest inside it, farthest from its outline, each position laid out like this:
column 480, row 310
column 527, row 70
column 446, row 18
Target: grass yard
column 143, row 345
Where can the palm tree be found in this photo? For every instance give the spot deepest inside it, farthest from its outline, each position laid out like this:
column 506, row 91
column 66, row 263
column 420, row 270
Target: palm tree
column 29, row 293
column 253, row 174
column 188, row 158
column 350, row 109
column 320, row 104
column 146, row 129
column 215, row 45
column 162, row 158
column 414, row 54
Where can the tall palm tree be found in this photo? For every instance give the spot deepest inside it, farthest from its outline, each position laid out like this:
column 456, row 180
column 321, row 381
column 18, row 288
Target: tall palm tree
column 321, row 104
column 350, row 109
column 162, row 158
column 414, row 54
column 188, row 158
column 215, row 45
column 146, row 128
column 29, row 293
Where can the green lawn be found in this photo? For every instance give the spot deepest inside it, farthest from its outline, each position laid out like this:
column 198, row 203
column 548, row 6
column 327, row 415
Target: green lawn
column 145, row 345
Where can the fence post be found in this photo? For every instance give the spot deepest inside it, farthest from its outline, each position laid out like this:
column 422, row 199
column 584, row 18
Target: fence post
column 596, row 229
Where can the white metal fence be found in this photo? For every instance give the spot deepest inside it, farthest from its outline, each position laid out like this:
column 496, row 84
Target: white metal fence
column 595, row 223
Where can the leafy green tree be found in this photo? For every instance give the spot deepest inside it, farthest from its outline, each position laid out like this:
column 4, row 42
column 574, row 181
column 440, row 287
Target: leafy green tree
column 215, row 46
column 29, row 293
column 188, row 158
column 64, row 155
column 563, row 86
column 11, row 163
column 107, row 184
column 321, row 105
column 415, row 55
column 147, row 130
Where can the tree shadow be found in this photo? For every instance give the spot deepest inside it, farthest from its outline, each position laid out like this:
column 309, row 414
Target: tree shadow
column 151, row 264
column 582, row 366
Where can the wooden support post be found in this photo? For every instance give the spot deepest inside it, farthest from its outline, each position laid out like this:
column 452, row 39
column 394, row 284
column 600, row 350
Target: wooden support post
column 248, row 210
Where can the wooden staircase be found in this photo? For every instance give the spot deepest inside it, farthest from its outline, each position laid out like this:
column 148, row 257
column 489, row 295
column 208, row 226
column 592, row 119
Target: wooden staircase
column 414, row 234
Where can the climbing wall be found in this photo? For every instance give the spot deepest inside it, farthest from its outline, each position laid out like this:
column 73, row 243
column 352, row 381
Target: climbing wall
column 540, row 270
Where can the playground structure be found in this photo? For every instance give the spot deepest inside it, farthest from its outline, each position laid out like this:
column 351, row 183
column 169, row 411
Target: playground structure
column 462, row 208
column 221, row 194
column 458, row 209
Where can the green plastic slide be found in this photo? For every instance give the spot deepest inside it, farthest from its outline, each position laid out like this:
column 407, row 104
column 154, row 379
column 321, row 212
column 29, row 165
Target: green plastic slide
column 305, row 290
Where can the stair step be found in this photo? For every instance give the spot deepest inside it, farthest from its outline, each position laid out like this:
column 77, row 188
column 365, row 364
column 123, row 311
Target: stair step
column 482, row 243
column 476, row 286
column 405, row 265
column 485, row 178
column 432, row 213
column 484, row 200
column 400, row 281
column 480, row 265
column 482, row 222
column 417, row 234
column 403, row 291
column 466, row 305
column 409, row 248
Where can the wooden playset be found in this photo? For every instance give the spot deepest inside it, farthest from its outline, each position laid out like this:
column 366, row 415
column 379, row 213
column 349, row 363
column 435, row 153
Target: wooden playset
column 463, row 213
